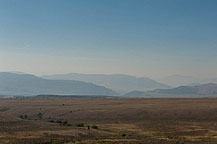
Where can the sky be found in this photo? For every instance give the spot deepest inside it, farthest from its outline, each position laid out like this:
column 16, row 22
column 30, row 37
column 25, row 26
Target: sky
column 153, row 38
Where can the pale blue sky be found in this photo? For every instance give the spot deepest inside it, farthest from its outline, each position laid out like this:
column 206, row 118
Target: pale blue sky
column 152, row 38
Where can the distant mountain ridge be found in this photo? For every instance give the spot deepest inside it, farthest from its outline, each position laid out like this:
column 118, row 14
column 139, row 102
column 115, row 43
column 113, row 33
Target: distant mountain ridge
column 134, row 94
column 179, row 80
column 118, row 82
column 27, row 85
column 203, row 90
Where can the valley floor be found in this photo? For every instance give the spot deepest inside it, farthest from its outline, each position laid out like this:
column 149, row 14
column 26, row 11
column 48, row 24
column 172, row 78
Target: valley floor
column 108, row 121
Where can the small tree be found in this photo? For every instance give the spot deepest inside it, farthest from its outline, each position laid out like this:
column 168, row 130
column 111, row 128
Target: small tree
column 21, row 116
column 40, row 115
column 25, row 116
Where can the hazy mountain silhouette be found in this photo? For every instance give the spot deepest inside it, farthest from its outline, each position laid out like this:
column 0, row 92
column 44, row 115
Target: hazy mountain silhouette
column 118, row 82
column 178, row 80
column 26, row 84
column 203, row 90
column 134, row 94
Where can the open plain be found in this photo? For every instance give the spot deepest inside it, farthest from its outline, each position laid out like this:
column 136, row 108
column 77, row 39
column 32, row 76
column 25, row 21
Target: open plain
column 108, row 121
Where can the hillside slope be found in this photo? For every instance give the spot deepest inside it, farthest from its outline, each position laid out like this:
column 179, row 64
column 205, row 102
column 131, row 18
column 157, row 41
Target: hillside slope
column 203, row 90
column 118, row 82
column 26, row 84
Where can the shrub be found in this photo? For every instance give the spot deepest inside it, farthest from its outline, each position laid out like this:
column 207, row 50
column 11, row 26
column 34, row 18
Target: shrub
column 80, row 125
column 25, row 116
column 52, row 121
column 21, row 116
column 65, row 122
column 123, row 135
column 58, row 121
column 94, row 127
column 68, row 124
column 40, row 115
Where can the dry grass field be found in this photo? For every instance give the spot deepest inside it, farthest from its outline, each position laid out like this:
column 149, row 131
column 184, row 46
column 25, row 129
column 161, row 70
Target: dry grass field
column 108, row 121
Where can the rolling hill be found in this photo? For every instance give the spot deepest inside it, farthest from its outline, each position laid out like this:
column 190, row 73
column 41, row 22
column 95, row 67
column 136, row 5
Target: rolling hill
column 28, row 85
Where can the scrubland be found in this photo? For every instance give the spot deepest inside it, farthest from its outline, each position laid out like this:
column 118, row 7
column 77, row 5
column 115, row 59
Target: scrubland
column 108, row 121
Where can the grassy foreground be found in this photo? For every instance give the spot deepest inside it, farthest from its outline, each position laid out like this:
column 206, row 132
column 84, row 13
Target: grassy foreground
column 108, row 121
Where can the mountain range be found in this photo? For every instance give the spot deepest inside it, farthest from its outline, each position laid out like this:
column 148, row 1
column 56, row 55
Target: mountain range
column 28, row 85
column 21, row 84
column 179, row 80
column 202, row 90
column 117, row 82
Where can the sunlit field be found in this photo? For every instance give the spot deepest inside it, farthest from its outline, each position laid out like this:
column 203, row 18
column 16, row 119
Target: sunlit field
column 108, row 120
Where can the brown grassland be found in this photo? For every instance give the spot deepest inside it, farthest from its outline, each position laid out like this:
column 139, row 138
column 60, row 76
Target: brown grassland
column 108, row 121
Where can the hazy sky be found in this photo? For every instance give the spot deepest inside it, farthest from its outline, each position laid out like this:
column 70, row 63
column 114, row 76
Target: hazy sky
column 152, row 38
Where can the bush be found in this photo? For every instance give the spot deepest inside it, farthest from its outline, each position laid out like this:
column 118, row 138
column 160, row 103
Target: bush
column 94, row 127
column 52, row 121
column 123, row 135
column 65, row 122
column 40, row 115
column 68, row 124
column 25, row 116
column 21, row 116
column 58, row 121
column 80, row 125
